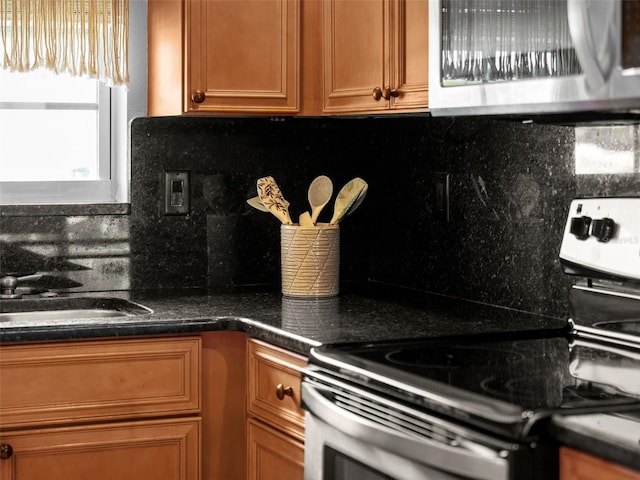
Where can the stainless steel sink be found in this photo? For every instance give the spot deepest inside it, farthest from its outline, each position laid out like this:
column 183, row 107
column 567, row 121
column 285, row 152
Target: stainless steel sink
column 67, row 309
column 54, row 315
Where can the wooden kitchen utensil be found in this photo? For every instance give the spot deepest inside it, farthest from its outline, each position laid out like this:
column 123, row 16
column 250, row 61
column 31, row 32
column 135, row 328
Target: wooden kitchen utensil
column 348, row 199
column 358, row 200
column 256, row 203
column 305, row 220
column 319, row 194
column 272, row 198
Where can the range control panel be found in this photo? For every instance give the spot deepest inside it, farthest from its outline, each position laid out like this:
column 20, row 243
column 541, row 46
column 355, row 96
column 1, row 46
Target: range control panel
column 602, row 238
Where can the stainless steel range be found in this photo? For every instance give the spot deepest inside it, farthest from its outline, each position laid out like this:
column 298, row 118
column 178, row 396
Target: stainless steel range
column 479, row 406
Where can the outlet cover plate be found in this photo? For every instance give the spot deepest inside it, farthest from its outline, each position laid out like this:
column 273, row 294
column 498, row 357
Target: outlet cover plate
column 177, row 193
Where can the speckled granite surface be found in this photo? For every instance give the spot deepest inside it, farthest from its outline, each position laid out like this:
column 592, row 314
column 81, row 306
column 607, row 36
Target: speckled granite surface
column 295, row 324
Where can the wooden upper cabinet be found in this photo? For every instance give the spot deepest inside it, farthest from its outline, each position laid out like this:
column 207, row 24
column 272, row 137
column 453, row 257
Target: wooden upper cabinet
column 375, row 55
column 242, row 56
column 287, row 57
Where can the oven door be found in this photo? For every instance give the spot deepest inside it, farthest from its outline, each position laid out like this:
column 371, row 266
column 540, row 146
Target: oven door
column 351, row 433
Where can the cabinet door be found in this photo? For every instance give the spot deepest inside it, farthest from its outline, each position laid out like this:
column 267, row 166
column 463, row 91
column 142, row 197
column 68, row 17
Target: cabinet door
column 242, row 56
column 375, row 44
column 273, row 455
column 160, row 450
column 356, row 54
column 410, row 54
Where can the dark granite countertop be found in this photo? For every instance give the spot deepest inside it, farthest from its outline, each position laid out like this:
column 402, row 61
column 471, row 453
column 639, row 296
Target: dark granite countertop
column 292, row 323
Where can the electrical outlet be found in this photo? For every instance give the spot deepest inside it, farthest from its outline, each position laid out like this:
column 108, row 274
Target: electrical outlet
column 177, row 193
column 442, row 187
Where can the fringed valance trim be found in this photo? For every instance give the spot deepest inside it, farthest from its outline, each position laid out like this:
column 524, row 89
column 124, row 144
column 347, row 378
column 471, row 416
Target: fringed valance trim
column 80, row 37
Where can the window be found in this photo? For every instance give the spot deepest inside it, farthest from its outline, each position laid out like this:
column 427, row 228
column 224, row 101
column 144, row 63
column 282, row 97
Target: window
column 64, row 139
column 607, row 150
column 58, row 139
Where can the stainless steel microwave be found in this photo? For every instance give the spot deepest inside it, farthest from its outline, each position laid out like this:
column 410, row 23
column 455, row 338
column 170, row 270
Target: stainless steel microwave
column 533, row 56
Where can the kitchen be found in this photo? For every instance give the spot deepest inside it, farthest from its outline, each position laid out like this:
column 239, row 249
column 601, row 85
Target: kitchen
column 499, row 247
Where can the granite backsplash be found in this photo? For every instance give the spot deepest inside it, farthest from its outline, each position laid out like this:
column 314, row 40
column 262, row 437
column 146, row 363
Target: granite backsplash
column 510, row 185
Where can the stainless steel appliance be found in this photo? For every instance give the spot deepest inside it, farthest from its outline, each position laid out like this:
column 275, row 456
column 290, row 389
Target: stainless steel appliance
column 479, row 406
column 533, row 56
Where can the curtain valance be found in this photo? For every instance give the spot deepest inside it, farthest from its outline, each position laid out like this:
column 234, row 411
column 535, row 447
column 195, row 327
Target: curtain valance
column 80, row 37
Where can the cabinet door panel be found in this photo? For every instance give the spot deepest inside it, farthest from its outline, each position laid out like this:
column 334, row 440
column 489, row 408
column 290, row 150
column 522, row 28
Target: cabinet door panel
column 243, row 55
column 410, row 55
column 356, row 54
column 161, row 450
column 272, row 455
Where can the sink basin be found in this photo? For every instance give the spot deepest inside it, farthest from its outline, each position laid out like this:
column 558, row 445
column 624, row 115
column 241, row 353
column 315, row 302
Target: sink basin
column 53, row 315
column 64, row 309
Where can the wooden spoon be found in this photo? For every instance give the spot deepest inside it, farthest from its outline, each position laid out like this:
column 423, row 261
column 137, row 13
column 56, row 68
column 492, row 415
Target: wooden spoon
column 272, row 198
column 319, row 194
column 348, row 199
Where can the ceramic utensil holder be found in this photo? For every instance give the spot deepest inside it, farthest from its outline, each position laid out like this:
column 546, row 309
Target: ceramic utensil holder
column 310, row 260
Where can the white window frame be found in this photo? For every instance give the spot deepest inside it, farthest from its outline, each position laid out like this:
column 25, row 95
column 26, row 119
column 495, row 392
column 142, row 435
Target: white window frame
column 123, row 104
column 106, row 189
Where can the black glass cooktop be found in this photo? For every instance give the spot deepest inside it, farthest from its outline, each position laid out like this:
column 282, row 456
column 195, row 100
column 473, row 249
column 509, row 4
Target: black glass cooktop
column 503, row 378
column 507, row 370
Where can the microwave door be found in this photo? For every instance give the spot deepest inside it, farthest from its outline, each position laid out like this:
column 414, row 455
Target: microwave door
column 593, row 25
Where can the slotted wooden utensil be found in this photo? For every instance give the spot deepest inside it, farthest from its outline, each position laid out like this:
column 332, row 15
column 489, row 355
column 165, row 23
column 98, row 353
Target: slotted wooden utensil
column 271, row 197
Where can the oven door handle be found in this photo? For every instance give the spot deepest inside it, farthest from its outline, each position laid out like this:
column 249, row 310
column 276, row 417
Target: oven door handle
column 463, row 458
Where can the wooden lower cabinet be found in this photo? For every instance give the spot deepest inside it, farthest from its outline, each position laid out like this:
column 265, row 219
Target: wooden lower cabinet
column 224, row 413
column 125, row 409
column 576, row 465
column 158, row 450
column 275, row 432
column 212, row 406
column 273, row 455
